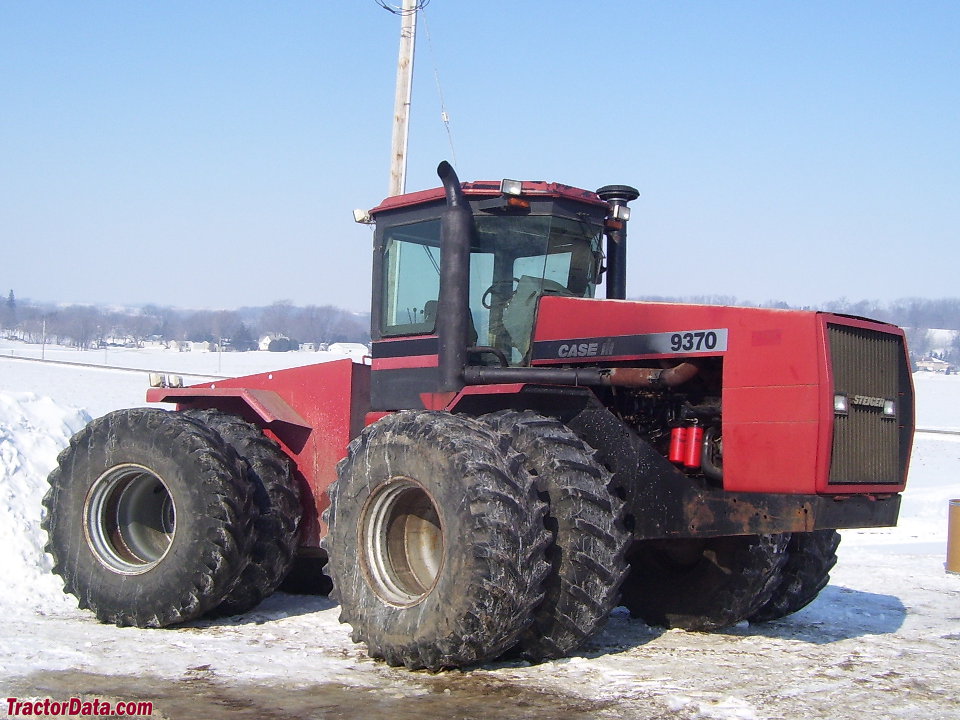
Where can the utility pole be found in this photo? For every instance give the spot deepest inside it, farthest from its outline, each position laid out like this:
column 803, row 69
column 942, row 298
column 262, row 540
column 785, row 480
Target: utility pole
column 401, row 107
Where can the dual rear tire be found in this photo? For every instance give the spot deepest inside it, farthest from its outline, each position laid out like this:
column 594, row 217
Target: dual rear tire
column 155, row 518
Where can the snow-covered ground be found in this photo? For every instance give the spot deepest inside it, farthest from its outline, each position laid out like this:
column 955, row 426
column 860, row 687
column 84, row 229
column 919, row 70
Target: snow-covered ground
column 882, row 641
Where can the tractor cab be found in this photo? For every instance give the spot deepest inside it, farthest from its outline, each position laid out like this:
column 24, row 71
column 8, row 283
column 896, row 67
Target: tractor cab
column 525, row 240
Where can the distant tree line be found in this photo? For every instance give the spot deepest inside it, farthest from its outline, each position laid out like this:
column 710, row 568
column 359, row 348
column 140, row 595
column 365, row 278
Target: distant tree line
column 85, row 326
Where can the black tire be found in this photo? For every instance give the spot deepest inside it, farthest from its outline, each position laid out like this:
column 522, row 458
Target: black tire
column 436, row 541
column 277, row 497
column 588, row 538
column 702, row 584
column 149, row 518
column 810, row 557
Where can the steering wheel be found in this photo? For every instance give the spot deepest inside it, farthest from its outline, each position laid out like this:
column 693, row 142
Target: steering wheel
column 487, row 298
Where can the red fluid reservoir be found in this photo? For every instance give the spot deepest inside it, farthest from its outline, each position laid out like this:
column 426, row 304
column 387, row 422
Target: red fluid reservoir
column 693, row 447
column 678, row 442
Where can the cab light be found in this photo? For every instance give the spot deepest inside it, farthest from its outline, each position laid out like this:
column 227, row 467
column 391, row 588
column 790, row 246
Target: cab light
column 363, row 217
column 511, row 187
column 516, row 202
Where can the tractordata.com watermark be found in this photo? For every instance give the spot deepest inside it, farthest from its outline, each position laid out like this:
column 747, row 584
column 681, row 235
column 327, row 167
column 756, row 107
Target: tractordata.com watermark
column 77, row 707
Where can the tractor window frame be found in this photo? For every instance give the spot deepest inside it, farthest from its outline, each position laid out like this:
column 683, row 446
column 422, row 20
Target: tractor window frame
column 410, row 249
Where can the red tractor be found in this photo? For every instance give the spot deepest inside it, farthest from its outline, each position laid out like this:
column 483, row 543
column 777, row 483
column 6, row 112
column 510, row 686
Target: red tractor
column 517, row 459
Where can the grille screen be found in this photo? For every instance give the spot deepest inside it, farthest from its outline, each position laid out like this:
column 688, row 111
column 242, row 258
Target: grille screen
column 868, row 366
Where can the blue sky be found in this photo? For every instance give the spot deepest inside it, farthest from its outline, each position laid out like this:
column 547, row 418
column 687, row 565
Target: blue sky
column 210, row 154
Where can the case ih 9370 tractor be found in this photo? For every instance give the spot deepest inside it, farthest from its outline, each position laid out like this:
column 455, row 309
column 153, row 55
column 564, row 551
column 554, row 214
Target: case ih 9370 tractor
column 517, row 459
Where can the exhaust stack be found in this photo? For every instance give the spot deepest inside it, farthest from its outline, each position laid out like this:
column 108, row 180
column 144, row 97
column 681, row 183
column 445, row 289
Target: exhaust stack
column 453, row 307
column 617, row 196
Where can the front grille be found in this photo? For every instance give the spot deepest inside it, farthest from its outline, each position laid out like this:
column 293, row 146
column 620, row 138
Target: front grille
column 869, row 448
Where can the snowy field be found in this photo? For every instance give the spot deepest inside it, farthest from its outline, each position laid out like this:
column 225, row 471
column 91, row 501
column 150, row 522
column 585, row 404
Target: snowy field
column 882, row 641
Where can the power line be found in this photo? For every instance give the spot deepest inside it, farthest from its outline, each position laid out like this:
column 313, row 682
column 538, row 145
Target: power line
column 444, row 115
column 397, row 10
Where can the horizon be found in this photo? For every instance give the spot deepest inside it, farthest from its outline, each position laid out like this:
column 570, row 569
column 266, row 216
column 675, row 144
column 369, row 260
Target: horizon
column 890, row 307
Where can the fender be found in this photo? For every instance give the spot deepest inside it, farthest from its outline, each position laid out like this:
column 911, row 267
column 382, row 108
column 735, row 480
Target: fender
column 265, row 404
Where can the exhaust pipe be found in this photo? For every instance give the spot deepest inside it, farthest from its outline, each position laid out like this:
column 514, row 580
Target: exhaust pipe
column 453, row 306
column 589, row 376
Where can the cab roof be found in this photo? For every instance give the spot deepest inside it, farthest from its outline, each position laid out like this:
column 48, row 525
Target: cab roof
column 491, row 188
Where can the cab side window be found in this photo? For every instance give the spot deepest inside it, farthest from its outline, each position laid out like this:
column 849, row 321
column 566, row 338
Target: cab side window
column 411, row 279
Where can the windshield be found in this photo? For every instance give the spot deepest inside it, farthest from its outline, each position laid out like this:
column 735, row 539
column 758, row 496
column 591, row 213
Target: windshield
column 515, row 259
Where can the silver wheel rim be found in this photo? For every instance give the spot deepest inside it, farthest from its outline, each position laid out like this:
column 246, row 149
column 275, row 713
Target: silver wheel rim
column 401, row 541
column 129, row 519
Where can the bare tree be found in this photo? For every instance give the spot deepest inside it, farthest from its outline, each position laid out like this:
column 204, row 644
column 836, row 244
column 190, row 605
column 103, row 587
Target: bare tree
column 316, row 324
column 918, row 341
column 78, row 324
column 8, row 318
column 277, row 317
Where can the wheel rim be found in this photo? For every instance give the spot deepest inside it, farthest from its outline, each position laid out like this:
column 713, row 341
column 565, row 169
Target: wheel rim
column 401, row 541
column 129, row 519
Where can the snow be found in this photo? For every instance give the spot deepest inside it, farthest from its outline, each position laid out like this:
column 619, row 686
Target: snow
column 936, row 396
column 32, row 431
column 882, row 640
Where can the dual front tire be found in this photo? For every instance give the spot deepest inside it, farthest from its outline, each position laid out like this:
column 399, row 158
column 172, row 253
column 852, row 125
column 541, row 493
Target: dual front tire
column 712, row 583
column 436, row 541
column 453, row 540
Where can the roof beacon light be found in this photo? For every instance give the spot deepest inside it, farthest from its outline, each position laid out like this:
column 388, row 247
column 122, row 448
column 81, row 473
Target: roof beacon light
column 511, row 187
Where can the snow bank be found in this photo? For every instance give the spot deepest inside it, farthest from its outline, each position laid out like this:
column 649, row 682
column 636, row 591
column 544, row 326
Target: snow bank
column 33, row 430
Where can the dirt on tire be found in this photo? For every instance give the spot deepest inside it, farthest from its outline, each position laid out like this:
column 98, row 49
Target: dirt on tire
column 703, row 584
column 810, row 557
column 149, row 518
column 277, row 497
column 436, row 541
column 588, row 538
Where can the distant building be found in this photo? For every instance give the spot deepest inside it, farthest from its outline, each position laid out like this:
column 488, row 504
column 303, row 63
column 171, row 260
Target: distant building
column 936, row 365
column 355, row 351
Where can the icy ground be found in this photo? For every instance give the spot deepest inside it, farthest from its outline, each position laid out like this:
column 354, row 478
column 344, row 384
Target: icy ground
column 882, row 641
